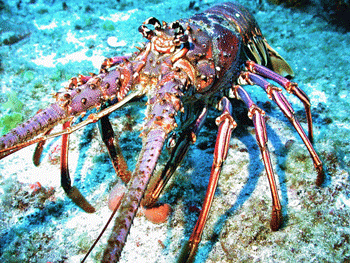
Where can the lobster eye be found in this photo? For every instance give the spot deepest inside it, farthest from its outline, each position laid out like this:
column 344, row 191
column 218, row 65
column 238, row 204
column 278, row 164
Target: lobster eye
column 153, row 21
column 184, row 38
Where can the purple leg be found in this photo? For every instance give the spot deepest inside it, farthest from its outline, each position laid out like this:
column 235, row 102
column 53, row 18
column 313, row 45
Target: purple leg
column 257, row 115
column 291, row 87
column 276, row 95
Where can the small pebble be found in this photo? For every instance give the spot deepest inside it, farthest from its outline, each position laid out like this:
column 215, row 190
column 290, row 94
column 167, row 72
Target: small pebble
column 289, row 144
column 113, row 42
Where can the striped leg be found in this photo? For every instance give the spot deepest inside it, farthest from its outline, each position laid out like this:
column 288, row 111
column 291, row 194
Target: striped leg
column 291, row 87
column 276, row 95
column 226, row 125
column 257, row 115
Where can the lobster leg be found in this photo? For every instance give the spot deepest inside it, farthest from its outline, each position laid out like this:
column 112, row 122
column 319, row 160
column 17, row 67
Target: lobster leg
column 113, row 149
column 72, row 192
column 291, row 87
column 257, row 115
column 110, row 62
column 276, row 95
column 115, row 154
column 226, row 125
column 178, row 153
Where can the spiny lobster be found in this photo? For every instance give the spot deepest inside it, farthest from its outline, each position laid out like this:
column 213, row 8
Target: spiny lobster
column 184, row 68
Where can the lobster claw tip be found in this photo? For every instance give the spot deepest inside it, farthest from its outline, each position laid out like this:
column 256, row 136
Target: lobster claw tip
column 75, row 195
column 188, row 253
column 320, row 175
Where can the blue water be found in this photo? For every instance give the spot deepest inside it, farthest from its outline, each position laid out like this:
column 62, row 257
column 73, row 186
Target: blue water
column 56, row 41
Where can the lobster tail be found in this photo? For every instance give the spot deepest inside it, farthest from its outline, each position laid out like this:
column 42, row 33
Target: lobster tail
column 41, row 122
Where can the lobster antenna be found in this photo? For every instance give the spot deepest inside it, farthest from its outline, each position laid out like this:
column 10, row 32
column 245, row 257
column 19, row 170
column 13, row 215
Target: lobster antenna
column 93, row 117
column 102, row 232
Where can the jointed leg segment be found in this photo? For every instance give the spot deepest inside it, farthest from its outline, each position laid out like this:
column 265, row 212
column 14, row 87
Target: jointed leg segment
column 226, row 125
column 39, row 149
column 72, row 192
column 179, row 151
column 114, row 149
column 291, row 87
column 257, row 115
column 276, row 95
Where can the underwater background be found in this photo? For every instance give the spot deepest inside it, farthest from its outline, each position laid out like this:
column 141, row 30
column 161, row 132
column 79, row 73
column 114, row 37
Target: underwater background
column 45, row 42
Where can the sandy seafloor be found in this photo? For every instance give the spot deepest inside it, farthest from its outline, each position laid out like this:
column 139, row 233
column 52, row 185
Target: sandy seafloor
column 44, row 225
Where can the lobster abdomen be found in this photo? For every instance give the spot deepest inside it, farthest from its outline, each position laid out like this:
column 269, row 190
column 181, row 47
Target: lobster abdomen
column 234, row 30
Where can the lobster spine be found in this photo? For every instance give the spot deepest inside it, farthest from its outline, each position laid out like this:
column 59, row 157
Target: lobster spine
column 161, row 120
column 91, row 92
column 41, row 122
column 139, row 181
